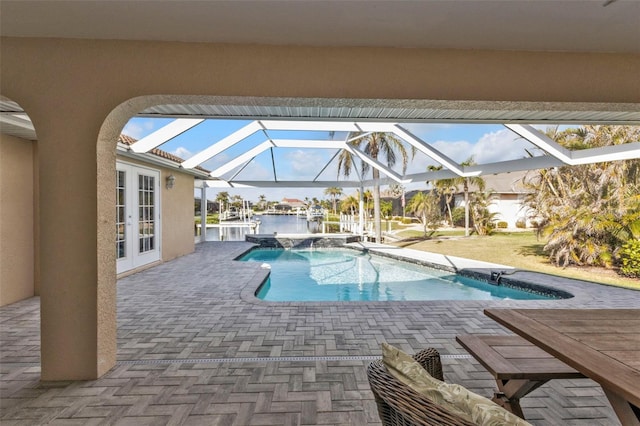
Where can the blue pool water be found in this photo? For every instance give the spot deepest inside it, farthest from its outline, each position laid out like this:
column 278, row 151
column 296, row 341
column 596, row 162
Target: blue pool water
column 349, row 275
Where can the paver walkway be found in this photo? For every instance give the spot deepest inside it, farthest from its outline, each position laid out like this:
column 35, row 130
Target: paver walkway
column 196, row 347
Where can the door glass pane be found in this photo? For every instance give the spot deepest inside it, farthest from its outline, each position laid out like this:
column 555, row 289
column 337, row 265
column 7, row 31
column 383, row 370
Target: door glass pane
column 146, row 215
column 121, row 228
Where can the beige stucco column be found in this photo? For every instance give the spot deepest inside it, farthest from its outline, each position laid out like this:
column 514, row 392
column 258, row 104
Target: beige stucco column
column 77, row 287
column 80, row 94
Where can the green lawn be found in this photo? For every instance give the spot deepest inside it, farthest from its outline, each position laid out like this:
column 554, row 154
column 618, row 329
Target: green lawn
column 211, row 218
column 519, row 249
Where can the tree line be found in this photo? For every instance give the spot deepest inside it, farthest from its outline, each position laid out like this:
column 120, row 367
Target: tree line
column 589, row 214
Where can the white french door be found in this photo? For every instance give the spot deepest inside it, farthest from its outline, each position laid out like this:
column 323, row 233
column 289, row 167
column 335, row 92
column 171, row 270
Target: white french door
column 137, row 216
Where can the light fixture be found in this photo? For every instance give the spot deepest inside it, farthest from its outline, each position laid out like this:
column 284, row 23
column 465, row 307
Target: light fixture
column 171, row 180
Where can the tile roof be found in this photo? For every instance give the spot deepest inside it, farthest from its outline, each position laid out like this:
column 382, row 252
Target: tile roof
column 506, row 183
column 128, row 140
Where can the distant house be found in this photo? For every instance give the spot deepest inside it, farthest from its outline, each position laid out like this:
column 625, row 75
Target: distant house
column 212, row 206
column 290, row 205
column 293, row 202
column 508, row 199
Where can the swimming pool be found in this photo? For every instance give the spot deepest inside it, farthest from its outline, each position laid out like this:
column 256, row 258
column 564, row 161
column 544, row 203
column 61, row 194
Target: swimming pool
column 350, row 275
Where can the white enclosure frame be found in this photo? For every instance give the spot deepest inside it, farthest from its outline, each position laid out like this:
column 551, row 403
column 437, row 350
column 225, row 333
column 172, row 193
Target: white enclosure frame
column 556, row 154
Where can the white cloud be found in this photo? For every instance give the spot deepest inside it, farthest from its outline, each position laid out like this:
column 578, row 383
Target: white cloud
column 492, row 147
column 304, row 163
column 256, row 171
column 502, row 145
column 182, row 152
column 139, row 128
column 419, row 164
column 458, row 151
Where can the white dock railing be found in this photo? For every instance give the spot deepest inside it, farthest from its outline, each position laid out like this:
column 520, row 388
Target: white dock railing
column 349, row 223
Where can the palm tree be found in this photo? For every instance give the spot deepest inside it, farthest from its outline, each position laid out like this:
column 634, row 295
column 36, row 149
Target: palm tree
column 262, row 200
column 350, row 204
column 398, row 191
column 446, row 188
column 588, row 211
column 367, row 198
column 334, row 192
column 425, row 207
column 483, row 219
column 236, row 201
column 454, row 183
column 478, row 182
column 222, row 198
column 375, row 145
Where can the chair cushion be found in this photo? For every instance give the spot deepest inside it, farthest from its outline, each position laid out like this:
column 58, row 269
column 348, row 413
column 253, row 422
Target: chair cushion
column 454, row 398
column 404, row 368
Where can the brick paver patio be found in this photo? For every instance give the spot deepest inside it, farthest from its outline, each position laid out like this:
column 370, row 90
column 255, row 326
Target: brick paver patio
column 195, row 347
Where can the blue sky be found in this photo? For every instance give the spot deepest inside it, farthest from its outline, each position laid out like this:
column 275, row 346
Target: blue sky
column 484, row 142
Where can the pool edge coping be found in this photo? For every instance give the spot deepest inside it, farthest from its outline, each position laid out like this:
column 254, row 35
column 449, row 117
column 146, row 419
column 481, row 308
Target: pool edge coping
column 474, row 269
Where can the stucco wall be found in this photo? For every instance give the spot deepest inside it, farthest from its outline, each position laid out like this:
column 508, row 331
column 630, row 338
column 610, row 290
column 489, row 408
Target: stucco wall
column 177, row 216
column 509, row 209
column 101, row 84
column 16, row 219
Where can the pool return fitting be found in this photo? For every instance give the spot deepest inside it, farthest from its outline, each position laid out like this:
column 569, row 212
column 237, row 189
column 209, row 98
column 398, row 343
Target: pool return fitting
column 496, row 276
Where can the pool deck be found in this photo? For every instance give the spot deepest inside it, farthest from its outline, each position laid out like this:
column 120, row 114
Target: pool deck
column 196, row 347
column 445, row 261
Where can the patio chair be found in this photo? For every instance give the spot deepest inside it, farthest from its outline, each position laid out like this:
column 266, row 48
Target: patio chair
column 410, row 396
column 399, row 405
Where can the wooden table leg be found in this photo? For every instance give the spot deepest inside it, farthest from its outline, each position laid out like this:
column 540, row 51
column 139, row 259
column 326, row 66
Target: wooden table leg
column 624, row 410
column 510, row 392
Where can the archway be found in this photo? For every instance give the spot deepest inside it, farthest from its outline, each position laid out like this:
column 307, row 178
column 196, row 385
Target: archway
column 79, row 92
column 19, row 200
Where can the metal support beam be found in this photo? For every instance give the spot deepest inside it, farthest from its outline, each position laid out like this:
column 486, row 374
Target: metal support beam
column 241, row 159
column 627, row 151
column 221, row 183
column 361, row 212
column 326, row 126
column 203, row 213
column 164, row 134
column 542, row 141
column 217, row 147
column 376, row 164
column 430, row 151
column 308, row 144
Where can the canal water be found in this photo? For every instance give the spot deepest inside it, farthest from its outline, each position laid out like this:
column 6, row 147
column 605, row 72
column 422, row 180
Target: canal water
column 282, row 224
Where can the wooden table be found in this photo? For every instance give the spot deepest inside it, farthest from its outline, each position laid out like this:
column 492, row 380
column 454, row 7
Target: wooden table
column 518, row 366
column 602, row 344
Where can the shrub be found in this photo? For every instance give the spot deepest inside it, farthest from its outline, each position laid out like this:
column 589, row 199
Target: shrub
column 630, row 258
column 521, row 223
column 458, row 216
column 502, row 224
column 332, row 227
column 407, row 220
column 211, row 218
